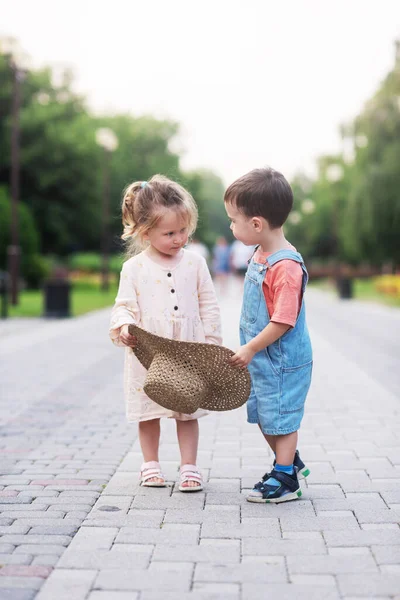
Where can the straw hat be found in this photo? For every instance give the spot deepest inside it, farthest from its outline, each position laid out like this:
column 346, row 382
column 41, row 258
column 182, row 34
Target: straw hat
column 185, row 376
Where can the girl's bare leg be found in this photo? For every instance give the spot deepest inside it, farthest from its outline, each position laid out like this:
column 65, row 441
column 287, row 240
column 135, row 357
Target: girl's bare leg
column 149, row 437
column 188, row 438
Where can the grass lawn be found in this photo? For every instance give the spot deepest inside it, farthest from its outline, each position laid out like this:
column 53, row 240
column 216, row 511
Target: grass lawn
column 84, row 298
column 363, row 289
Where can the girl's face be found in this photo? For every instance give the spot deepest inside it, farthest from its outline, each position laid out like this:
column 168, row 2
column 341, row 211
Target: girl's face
column 170, row 234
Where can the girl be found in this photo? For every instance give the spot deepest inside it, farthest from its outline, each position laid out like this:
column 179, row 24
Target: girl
column 168, row 291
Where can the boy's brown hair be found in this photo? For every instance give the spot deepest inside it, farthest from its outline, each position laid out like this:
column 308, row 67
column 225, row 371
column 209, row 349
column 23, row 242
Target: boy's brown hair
column 262, row 193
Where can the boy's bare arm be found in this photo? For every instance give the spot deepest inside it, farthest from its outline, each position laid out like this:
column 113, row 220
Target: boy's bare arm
column 269, row 335
column 266, row 337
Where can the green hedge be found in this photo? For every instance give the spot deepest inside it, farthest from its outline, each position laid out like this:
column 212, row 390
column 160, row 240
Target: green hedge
column 34, row 267
column 90, row 262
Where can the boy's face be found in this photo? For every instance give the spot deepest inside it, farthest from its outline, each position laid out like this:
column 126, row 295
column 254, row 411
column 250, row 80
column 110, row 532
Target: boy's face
column 245, row 229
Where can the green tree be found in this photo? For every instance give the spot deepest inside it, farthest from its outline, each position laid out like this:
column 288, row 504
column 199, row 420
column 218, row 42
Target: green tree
column 208, row 191
column 372, row 223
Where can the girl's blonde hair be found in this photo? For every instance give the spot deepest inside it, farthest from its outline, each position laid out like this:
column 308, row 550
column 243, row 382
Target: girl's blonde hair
column 145, row 202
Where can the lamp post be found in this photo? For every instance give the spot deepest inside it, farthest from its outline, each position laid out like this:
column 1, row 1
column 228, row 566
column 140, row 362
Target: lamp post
column 107, row 139
column 334, row 174
column 18, row 64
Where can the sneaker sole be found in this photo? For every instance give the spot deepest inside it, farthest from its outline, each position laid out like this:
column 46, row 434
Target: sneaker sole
column 303, row 473
column 285, row 498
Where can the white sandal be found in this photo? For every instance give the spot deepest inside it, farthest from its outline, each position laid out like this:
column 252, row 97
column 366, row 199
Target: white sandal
column 190, row 473
column 150, row 470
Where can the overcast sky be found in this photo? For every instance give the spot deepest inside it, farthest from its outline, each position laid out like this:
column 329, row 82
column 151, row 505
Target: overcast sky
column 252, row 82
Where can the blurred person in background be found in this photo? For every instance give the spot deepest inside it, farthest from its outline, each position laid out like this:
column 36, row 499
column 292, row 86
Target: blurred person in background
column 196, row 245
column 221, row 262
column 239, row 257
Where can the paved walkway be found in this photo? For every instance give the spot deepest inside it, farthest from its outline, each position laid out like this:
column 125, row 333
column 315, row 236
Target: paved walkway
column 74, row 524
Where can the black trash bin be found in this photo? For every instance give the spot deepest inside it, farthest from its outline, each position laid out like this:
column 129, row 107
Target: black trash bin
column 57, row 298
column 3, row 294
column 345, row 287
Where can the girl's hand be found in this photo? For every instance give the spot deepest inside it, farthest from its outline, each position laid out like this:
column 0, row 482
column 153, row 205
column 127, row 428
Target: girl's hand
column 126, row 338
column 242, row 357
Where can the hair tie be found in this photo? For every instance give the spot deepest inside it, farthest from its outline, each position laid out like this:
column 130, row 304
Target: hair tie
column 143, row 184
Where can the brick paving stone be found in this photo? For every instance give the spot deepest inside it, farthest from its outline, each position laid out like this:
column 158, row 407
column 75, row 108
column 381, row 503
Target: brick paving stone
column 65, row 584
column 4, row 521
column 241, row 573
column 151, row 579
column 328, row 580
column 377, row 515
column 259, row 528
column 29, row 583
column 193, row 595
column 61, row 540
column 204, row 552
column 15, row 559
column 66, row 482
column 14, row 528
column 319, row 523
column 301, row 535
column 385, row 555
column 323, row 491
column 254, row 546
column 349, row 551
column 62, row 528
column 6, row 548
column 223, row 486
column 35, row 549
column 135, row 557
column 363, row 538
column 16, row 594
column 289, row 591
column 369, row 585
column 62, row 500
column 170, row 534
column 68, row 508
column 33, row 514
column 48, row 560
column 18, row 506
column 217, row 590
column 101, row 595
column 74, row 515
column 37, row 494
column 94, row 538
column 330, row 564
column 25, row 571
column 203, row 516
column 352, row 501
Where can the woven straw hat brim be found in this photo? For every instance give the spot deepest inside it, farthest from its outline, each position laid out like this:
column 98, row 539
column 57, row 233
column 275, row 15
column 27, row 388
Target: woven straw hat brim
column 185, row 376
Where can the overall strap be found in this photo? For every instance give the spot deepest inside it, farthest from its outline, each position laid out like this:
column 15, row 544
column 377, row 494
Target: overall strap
column 285, row 254
column 254, row 251
column 288, row 254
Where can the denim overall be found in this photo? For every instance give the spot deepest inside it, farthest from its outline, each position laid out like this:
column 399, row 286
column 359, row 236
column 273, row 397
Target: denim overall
column 281, row 373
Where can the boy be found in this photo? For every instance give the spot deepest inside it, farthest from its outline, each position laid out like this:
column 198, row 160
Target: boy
column 273, row 331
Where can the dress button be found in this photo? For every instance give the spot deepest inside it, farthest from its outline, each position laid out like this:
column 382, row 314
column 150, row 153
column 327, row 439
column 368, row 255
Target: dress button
column 172, row 291
column 169, row 274
column 175, row 308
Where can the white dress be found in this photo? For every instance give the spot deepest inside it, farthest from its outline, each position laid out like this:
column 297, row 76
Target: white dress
column 177, row 303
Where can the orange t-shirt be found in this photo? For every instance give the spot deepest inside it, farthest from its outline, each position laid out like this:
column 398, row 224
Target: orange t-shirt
column 282, row 288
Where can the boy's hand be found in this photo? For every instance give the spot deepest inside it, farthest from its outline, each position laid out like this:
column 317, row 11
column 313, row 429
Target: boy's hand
column 126, row 338
column 242, row 357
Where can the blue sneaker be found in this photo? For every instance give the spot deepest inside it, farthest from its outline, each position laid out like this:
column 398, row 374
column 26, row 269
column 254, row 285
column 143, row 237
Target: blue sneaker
column 300, row 468
column 288, row 489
